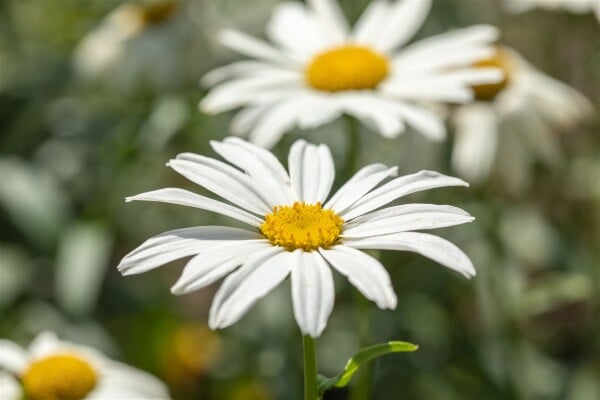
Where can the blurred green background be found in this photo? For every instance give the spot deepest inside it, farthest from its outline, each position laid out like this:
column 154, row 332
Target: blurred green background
column 80, row 130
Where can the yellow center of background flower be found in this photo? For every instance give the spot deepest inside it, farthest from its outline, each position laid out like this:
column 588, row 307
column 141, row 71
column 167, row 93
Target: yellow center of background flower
column 501, row 60
column 156, row 12
column 347, row 68
column 59, row 377
column 302, row 226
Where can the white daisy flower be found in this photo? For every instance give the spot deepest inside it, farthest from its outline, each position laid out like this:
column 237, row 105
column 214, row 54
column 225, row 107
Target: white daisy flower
column 53, row 369
column 139, row 42
column 296, row 229
column 318, row 68
column 518, row 116
column 574, row 6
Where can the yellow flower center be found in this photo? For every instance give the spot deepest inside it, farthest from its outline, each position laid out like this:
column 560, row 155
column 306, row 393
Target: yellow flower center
column 348, row 67
column 156, row 12
column 302, row 226
column 59, row 377
column 501, row 60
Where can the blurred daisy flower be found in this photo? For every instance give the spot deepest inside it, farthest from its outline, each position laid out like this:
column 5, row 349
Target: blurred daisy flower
column 53, row 369
column 295, row 230
column 574, row 6
column 318, row 68
column 139, row 42
column 515, row 118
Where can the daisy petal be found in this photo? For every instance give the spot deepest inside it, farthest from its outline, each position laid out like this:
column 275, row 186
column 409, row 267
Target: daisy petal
column 476, row 136
column 311, row 171
column 361, row 183
column 221, row 179
column 263, row 170
column 248, row 284
column 253, row 47
column 431, row 246
column 277, row 120
column 333, row 22
column 423, row 121
column 179, row 243
column 312, row 292
column 44, row 343
column 238, row 69
column 247, row 117
column 399, row 187
column 368, row 27
column 374, row 109
column 12, row 357
column 406, row 217
column 127, row 380
column 403, row 21
column 255, row 89
column 10, row 388
column 364, row 272
column 216, row 262
column 451, row 49
column 186, row 198
column 295, row 28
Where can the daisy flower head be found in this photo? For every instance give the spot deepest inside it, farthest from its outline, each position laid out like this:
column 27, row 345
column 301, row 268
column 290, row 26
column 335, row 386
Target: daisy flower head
column 295, row 229
column 317, row 67
column 54, row 369
column 139, row 42
column 574, row 6
column 515, row 118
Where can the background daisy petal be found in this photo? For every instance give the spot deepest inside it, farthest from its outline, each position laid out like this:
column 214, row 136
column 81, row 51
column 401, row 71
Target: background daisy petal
column 12, row 357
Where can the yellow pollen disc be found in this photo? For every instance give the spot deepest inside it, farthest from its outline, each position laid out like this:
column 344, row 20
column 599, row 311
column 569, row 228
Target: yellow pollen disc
column 348, row 67
column 302, row 226
column 156, row 12
column 501, row 60
column 59, row 377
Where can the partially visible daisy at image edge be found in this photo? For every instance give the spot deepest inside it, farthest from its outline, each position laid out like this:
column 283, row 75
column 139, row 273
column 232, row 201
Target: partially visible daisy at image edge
column 316, row 68
column 54, row 369
column 574, row 6
column 296, row 229
column 518, row 117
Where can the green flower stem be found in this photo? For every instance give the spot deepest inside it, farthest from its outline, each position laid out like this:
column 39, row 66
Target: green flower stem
column 353, row 148
column 361, row 390
column 362, row 387
column 311, row 391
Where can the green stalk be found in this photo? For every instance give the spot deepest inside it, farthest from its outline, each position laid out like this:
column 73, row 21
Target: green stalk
column 353, row 147
column 309, row 346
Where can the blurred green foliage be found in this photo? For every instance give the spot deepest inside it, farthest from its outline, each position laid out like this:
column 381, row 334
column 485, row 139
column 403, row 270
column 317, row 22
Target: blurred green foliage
column 75, row 141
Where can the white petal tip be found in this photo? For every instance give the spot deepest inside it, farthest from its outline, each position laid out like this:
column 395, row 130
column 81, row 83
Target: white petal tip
column 178, row 290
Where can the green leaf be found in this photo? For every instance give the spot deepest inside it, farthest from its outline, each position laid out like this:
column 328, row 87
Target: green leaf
column 362, row 357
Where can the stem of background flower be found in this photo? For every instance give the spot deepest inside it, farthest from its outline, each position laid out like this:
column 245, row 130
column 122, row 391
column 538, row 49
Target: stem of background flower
column 353, row 146
column 360, row 390
column 309, row 346
column 362, row 387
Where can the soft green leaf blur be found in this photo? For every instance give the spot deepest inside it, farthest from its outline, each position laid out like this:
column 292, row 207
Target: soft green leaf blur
column 89, row 116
